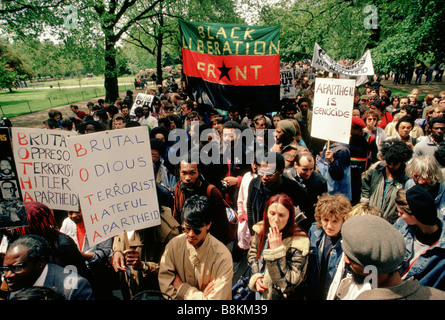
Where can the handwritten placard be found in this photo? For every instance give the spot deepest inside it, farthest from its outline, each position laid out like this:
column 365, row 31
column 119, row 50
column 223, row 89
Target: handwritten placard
column 332, row 110
column 44, row 167
column 114, row 178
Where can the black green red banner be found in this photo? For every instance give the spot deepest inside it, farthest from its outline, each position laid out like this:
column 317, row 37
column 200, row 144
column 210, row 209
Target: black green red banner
column 231, row 66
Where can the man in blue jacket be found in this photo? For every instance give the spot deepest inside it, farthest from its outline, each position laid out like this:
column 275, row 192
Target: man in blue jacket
column 25, row 265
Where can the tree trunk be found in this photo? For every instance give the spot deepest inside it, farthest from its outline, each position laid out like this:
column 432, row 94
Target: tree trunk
column 159, row 78
column 111, row 83
column 160, row 38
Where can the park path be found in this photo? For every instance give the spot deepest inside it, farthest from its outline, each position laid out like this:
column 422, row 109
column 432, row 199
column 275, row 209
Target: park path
column 70, row 87
column 433, row 87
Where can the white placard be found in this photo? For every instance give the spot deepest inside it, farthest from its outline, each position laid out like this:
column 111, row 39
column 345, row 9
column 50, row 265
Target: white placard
column 332, row 110
column 115, row 181
column 44, row 167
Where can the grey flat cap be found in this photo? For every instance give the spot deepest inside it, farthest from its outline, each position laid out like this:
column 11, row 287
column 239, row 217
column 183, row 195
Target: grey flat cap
column 373, row 241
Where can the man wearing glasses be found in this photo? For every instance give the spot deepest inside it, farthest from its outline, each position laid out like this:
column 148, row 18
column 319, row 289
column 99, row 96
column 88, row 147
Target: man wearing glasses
column 9, row 190
column 271, row 181
column 195, row 265
column 25, row 265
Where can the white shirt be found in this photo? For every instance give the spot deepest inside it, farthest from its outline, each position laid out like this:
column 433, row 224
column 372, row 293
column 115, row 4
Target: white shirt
column 41, row 279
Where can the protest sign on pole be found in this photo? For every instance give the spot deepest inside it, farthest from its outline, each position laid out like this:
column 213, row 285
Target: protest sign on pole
column 12, row 207
column 141, row 100
column 287, row 87
column 332, row 110
column 114, row 178
column 363, row 67
column 44, row 168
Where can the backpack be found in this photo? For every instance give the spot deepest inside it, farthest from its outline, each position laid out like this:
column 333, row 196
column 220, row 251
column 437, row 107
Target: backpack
column 232, row 217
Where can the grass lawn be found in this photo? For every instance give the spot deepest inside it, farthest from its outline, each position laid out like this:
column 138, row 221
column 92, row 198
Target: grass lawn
column 25, row 101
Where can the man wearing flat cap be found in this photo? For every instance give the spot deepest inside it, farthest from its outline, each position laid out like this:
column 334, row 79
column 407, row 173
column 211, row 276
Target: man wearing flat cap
column 374, row 249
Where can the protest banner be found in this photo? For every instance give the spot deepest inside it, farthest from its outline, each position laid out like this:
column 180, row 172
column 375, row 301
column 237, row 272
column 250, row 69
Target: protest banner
column 232, row 66
column 363, row 67
column 287, row 88
column 12, row 207
column 332, row 110
column 44, row 167
column 141, row 100
column 114, row 178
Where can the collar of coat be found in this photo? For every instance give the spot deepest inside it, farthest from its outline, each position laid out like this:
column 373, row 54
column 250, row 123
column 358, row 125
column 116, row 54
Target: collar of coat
column 198, row 254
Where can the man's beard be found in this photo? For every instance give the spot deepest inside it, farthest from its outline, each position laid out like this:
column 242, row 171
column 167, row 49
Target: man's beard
column 355, row 277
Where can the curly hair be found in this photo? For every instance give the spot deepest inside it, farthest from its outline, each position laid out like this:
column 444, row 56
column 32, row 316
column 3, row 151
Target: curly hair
column 337, row 205
column 36, row 244
column 396, row 151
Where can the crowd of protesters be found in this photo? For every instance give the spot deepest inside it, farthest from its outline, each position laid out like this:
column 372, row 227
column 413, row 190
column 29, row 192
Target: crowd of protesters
column 311, row 215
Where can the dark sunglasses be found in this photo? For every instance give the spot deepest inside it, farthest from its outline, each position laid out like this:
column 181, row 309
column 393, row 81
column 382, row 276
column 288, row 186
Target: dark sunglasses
column 187, row 228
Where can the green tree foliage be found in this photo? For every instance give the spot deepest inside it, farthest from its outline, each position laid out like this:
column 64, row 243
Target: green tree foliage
column 158, row 35
column 412, row 31
column 85, row 19
column 11, row 69
column 403, row 32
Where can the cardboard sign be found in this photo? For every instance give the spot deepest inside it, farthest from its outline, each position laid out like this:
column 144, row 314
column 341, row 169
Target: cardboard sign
column 44, row 167
column 141, row 100
column 287, row 87
column 114, row 177
column 12, row 207
column 332, row 110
